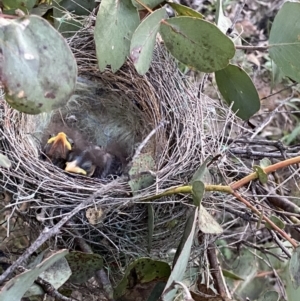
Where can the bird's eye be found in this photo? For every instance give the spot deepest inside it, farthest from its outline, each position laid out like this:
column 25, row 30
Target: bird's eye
column 71, row 141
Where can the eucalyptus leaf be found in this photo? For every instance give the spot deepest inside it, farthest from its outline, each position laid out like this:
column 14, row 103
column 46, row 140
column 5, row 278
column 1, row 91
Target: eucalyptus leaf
column 33, row 85
column 181, row 258
column 115, row 25
column 207, row 224
column 15, row 288
column 198, row 190
column 143, row 40
column 83, row 265
column 265, row 162
column 141, row 271
column 197, row 43
column 57, row 274
column 237, row 87
column 201, row 171
column 182, row 10
column 269, row 296
column 139, row 178
column 262, row 175
column 284, row 40
column 147, row 3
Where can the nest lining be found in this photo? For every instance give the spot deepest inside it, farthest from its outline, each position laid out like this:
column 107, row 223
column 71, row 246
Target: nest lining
column 194, row 130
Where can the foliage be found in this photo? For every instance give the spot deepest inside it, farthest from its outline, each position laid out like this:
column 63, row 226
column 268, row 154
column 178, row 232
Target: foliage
column 193, row 41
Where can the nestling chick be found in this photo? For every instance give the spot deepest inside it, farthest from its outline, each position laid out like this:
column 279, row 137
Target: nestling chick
column 94, row 162
column 61, row 142
column 57, row 149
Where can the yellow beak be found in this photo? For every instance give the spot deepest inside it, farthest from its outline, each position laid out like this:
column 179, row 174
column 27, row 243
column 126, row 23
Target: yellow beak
column 60, row 139
column 73, row 168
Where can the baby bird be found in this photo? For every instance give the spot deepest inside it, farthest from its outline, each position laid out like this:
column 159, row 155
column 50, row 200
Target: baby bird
column 94, row 162
column 57, row 149
column 62, row 139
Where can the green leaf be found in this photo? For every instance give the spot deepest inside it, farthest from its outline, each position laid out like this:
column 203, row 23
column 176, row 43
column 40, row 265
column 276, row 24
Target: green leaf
column 236, row 86
column 207, row 224
column 10, row 6
column 284, row 40
column 223, row 22
column 139, row 176
column 143, row 40
column 265, row 162
column 262, row 175
column 231, row 275
column 115, row 24
column 182, row 256
column 56, row 275
column 269, row 296
column 83, row 265
column 4, row 161
column 15, row 288
column 141, row 271
column 198, row 190
column 294, row 267
column 39, row 71
column 147, row 3
column 197, row 43
column 201, row 171
column 182, row 10
column 277, row 221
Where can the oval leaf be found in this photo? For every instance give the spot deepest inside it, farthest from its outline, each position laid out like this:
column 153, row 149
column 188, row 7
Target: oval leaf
column 115, row 24
column 37, row 62
column 147, row 3
column 139, row 272
column 139, row 178
column 277, row 221
column 261, row 174
column 15, row 288
column 269, row 296
column 265, row 162
column 57, row 275
column 198, row 189
column 197, row 43
column 236, row 86
column 143, row 40
column 182, row 10
column 207, row 224
column 83, row 265
column 284, row 40
column 201, row 171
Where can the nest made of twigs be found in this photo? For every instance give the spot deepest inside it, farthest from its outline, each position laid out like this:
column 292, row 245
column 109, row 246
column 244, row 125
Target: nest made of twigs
column 193, row 128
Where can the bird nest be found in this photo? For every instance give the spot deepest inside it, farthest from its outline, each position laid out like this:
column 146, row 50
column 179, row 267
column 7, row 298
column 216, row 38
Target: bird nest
column 186, row 128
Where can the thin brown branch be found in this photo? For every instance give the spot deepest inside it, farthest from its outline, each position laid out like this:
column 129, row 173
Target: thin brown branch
column 216, row 271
